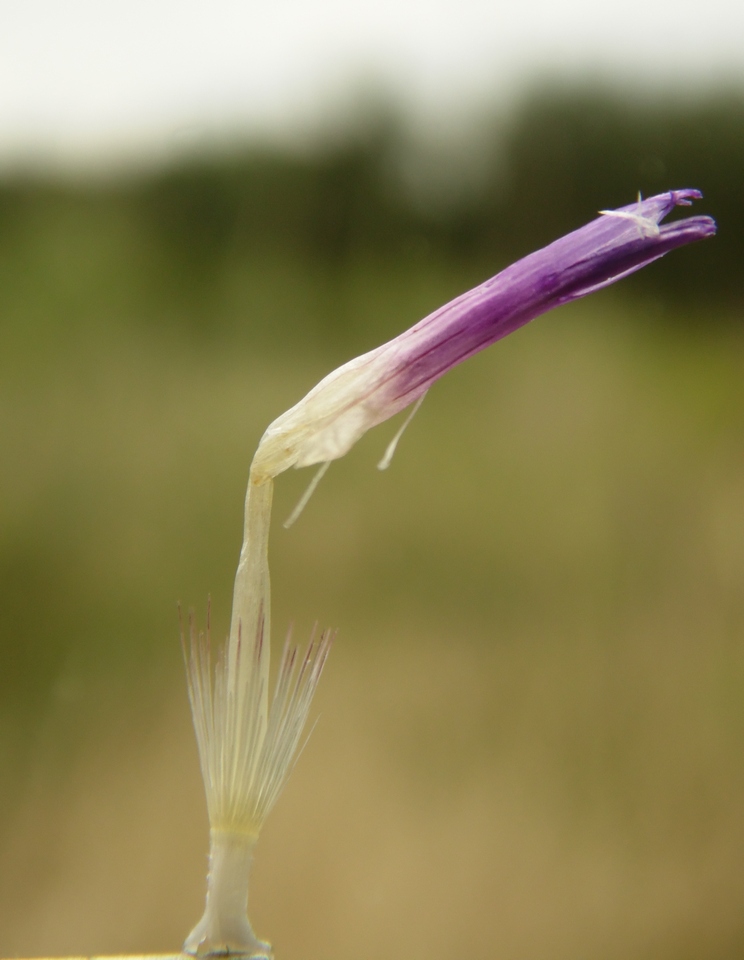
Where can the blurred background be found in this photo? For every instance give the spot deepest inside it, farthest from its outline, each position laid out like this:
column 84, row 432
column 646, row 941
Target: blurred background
column 531, row 728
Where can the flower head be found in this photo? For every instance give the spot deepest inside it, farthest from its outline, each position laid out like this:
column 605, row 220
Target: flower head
column 326, row 423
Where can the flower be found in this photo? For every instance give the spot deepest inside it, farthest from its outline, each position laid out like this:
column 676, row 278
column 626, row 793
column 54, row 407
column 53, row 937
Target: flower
column 246, row 745
column 364, row 392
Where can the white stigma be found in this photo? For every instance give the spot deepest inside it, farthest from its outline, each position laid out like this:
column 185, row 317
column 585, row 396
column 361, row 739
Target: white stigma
column 649, row 228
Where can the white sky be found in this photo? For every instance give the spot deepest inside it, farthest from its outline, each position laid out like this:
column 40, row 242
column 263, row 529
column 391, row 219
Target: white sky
column 87, row 79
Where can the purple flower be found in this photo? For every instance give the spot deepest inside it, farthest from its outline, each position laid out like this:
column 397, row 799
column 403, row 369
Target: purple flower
column 371, row 388
column 246, row 746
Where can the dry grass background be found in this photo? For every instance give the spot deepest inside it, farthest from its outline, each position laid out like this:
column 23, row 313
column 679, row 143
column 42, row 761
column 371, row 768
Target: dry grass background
column 531, row 725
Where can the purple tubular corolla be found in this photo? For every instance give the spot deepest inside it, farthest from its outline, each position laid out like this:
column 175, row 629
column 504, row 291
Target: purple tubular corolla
column 616, row 244
column 370, row 389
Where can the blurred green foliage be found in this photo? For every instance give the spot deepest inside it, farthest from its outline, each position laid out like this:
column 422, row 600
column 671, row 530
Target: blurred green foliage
column 182, row 244
column 541, row 604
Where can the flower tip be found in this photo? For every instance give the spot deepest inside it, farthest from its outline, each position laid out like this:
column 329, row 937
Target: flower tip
column 708, row 227
column 684, row 198
column 696, row 228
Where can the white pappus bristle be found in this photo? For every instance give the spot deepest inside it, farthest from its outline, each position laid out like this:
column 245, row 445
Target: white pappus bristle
column 245, row 753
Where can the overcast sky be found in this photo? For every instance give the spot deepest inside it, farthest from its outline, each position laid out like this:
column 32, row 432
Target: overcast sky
column 101, row 78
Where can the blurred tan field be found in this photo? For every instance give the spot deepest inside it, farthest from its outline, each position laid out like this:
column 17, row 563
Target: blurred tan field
column 531, row 728
column 530, row 732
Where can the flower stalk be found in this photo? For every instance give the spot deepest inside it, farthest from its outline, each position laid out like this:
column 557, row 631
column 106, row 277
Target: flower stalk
column 225, row 925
